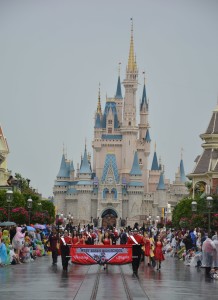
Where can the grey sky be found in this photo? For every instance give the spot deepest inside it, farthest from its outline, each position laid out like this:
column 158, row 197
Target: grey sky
column 53, row 55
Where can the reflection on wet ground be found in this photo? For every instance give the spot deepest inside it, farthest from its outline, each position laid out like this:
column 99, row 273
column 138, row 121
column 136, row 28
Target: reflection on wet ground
column 40, row 280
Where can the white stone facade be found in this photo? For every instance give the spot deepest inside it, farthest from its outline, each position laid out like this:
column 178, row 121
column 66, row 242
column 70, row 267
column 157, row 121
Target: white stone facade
column 116, row 186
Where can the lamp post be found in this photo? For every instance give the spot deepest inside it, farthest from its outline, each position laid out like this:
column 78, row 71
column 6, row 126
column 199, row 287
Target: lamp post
column 29, row 206
column 39, row 206
column 157, row 220
column 57, row 223
column 149, row 220
column 9, row 199
column 194, row 206
column 209, row 206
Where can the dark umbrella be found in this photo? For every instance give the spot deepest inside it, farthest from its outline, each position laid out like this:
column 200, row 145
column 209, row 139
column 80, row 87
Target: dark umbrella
column 7, row 223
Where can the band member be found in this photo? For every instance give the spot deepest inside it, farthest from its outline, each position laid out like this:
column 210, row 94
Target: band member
column 53, row 241
column 123, row 237
column 89, row 240
column 65, row 243
column 136, row 240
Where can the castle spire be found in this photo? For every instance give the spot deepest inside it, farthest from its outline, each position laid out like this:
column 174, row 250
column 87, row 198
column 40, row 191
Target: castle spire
column 63, row 171
column 135, row 166
column 181, row 168
column 144, row 96
column 99, row 100
column 161, row 184
column 132, row 66
column 119, row 91
column 154, row 166
column 85, row 166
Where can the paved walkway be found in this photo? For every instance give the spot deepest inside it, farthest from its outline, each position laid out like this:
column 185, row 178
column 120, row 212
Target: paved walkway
column 39, row 280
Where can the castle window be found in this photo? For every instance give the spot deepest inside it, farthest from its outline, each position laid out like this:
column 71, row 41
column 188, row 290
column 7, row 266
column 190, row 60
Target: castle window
column 129, row 123
column 140, row 161
column 109, row 130
column 109, row 122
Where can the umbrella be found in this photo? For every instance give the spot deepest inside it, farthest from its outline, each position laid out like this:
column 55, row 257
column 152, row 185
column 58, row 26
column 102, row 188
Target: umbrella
column 39, row 226
column 7, row 223
column 30, row 228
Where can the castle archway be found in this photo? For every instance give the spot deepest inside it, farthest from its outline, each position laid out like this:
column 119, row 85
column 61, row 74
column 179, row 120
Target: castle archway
column 109, row 218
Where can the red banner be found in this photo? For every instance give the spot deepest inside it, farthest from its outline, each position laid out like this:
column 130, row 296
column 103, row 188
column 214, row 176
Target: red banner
column 101, row 254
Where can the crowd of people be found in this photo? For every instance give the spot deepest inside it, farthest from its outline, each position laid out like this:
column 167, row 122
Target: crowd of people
column 19, row 245
column 151, row 245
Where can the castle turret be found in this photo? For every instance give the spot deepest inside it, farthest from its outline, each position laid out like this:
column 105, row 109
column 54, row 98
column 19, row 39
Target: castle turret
column 129, row 129
column 161, row 184
column 85, row 171
column 64, row 170
column 119, row 99
column 136, row 173
column 143, row 125
column 154, row 173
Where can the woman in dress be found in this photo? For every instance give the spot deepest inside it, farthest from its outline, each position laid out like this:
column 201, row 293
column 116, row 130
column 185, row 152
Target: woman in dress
column 106, row 240
column 158, row 253
column 81, row 239
column 147, row 248
column 75, row 238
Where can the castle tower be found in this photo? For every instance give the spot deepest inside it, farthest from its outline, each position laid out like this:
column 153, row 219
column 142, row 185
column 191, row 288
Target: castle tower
column 129, row 129
column 119, row 99
column 144, row 140
column 97, row 133
column 154, row 173
column 61, row 184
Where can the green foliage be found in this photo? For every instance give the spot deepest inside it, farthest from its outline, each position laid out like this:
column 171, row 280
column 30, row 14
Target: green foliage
column 181, row 210
column 3, row 214
column 195, row 219
column 50, row 208
column 18, row 199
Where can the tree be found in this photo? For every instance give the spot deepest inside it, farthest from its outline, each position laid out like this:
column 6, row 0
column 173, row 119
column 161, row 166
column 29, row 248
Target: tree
column 181, row 210
column 196, row 219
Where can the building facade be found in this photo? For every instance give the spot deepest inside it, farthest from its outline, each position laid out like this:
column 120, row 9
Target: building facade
column 4, row 151
column 118, row 188
column 205, row 174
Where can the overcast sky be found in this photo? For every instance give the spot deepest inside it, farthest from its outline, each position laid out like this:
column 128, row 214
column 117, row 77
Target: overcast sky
column 53, row 54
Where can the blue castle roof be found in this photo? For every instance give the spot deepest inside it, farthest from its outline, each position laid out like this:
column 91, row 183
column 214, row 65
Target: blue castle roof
column 182, row 171
column 154, row 166
column 144, row 98
column 64, row 168
column 85, row 166
column 161, row 184
column 147, row 136
column 119, row 91
column 135, row 166
column 98, row 121
column 110, row 105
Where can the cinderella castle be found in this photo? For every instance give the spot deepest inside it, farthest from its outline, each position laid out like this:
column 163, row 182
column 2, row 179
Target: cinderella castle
column 118, row 188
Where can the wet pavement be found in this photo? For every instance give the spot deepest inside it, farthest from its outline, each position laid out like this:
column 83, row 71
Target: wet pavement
column 40, row 280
